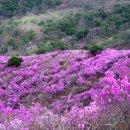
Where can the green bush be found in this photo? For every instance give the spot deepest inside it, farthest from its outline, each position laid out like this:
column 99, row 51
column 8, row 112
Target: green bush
column 123, row 9
column 44, row 47
column 94, row 49
column 89, row 16
column 81, row 34
column 101, row 13
column 16, row 33
column 117, row 19
column 31, row 35
column 15, row 43
column 52, row 3
column 65, row 25
column 52, row 26
column 8, row 7
column 41, row 23
column 15, row 61
column 97, row 22
column 11, row 42
column 59, row 45
column 50, row 46
column 41, row 51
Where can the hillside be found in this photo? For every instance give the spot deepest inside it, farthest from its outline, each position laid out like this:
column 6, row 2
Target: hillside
column 21, row 7
column 64, row 64
column 67, row 25
column 73, row 87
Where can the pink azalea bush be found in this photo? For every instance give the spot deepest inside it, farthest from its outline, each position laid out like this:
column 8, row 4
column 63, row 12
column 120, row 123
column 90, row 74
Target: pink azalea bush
column 66, row 90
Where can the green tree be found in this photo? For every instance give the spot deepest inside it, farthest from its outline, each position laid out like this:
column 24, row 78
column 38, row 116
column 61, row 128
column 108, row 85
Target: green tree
column 52, row 3
column 9, row 7
column 82, row 33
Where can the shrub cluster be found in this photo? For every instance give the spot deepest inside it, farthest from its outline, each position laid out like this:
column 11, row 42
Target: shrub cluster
column 53, row 79
column 94, row 49
column 15, row 61
column 52, row 46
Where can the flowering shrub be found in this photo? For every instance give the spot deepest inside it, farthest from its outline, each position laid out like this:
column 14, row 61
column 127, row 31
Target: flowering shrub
column 66, row 90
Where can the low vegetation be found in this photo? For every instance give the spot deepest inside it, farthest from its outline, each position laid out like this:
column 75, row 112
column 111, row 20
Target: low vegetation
column 14, row 61
column 66, row 90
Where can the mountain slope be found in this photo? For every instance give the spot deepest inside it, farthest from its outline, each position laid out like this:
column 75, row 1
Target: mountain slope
column 71, row 25
column 68, row 83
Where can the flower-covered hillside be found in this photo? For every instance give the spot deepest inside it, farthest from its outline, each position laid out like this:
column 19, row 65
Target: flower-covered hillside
column 75, row 88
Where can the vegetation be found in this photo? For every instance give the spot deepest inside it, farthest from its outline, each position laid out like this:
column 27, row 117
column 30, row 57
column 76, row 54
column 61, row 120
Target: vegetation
column 52, row 3
column 94, row 49
column 78, row 78
column 92, row 27
column 52, row 46
column 66, row 90
column 59, row 30
column 31, row 35
column 14, row 7
column 15, row 61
